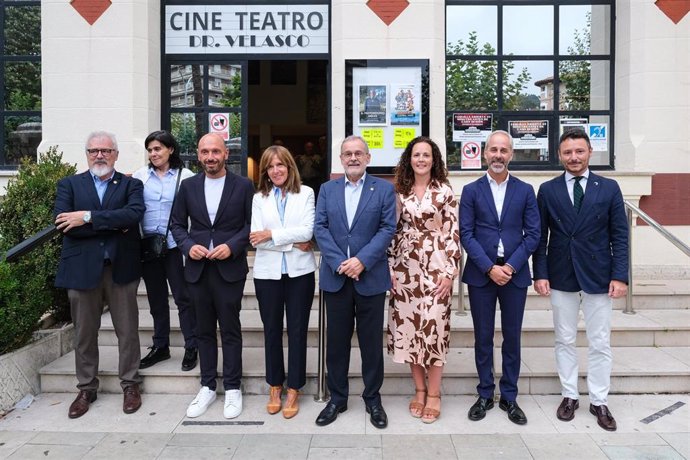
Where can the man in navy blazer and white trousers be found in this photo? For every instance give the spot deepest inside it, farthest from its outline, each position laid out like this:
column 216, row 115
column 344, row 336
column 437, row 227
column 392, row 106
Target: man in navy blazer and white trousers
column 499, row 228
column 355, row 222
column 210, row 223
column 582, row 262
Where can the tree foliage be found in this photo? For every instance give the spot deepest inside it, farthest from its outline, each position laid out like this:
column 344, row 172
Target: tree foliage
column 576, row 76
column 22, row 30
column 473, row 85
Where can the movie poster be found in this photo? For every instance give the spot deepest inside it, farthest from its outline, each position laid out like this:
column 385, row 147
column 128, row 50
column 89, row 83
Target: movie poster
column 372, row 105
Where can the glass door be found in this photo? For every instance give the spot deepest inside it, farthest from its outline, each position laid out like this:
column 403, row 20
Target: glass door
column 203, row 97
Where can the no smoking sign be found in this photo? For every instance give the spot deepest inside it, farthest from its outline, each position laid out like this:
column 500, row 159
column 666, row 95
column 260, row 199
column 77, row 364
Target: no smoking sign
column 471, row 153
column 219, row 123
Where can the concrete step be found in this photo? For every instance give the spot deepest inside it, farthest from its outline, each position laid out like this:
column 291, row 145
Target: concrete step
column 653, row 328
column 636, row 370
column 648, row 295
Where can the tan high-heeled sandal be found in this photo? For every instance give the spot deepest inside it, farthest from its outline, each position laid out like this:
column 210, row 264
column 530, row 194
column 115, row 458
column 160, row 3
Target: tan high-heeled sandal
column 430, row 415
column 416, row 407
column 274, row 402
column 291, row 403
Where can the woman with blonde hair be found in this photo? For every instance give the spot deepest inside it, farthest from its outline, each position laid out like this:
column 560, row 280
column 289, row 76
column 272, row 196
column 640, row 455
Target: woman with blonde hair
column 281, row 231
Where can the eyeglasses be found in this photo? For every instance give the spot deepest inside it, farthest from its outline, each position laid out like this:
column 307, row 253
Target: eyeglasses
column 105, row 152
column 358, row 154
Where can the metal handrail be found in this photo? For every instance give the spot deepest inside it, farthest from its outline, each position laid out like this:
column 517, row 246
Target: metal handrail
column 630, row 209
column 461, row 289
column 321, row 394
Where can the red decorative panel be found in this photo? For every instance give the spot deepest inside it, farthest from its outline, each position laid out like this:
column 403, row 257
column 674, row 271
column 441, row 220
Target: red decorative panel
column 91, row 10
column 674, row 9
column 387, row 10
column 668, row 203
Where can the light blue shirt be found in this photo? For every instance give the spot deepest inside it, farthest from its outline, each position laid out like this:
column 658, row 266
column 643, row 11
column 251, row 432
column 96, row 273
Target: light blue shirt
column 353, row 191
column 159, row 194
column 101, row 185
column 281, row 202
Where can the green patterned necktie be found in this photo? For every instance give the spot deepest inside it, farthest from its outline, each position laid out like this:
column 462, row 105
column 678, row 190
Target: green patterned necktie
column 578, row 193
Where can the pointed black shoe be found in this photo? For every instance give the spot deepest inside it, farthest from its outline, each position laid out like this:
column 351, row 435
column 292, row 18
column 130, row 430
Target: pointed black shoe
column 190, row 358
column 377, row 416
column 156, row 355
column 515, row 414
column 479, row 408
column 329, row 414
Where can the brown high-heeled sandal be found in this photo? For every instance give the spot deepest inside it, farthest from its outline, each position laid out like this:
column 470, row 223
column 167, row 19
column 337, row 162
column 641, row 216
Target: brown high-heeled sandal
column 416, row 408
column 274, row 402
column 291, row 403
column 430, row 415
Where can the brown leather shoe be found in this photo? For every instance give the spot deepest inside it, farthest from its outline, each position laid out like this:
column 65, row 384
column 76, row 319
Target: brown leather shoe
column 132, row 400
column 566, row 411
column 604, row 417
column 81, row 404
column 291, row 404
column 274, row 402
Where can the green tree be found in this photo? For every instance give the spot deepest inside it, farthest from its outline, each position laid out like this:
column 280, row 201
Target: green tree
column 576, row 76
column 473, row 85
column 22, row 31
column 232, row 94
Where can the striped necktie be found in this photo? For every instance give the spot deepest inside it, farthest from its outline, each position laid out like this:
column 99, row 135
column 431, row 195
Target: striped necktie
column 578, row 193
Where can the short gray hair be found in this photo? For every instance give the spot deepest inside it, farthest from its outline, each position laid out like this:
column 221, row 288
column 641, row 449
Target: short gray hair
column 100, row 134
column 499, row 131
column 354, row 137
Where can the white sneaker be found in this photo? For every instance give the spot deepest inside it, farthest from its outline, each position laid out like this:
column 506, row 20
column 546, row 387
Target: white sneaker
column 203, row 399
column 233, row 403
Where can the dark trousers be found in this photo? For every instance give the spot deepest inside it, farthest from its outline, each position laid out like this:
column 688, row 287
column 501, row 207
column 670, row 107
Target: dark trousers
column 483, row 307
column 292, row 298
column 87, row 308
column 344, row 308
column 157, row 274
column 218, row 302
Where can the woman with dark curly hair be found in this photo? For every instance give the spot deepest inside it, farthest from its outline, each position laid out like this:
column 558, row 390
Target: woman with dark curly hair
column 423, row 260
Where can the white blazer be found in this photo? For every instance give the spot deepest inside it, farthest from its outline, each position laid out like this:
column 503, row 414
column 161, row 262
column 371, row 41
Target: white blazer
column 298, row 227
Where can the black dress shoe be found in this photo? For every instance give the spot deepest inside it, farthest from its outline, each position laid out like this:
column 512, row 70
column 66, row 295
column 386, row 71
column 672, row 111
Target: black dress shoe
column 604, row 417
column 566, row 411
column 156, row 355
column 190, row 358
column 478, row 409
column 329, row 414
column 515, row 414
column 377, row 416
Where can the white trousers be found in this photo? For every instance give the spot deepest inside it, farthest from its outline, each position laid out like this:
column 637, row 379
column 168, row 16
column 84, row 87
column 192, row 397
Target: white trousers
column 597, row 312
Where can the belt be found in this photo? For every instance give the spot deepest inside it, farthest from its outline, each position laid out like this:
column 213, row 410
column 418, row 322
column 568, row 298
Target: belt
column 500, row 260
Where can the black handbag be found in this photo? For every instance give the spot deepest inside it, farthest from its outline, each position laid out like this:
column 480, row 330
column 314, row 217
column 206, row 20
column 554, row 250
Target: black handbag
column 156, row 246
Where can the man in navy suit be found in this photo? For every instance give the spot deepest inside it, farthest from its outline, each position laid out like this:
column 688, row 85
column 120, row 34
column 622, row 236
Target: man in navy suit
column 99, row 212
column 211, row 220
column 499, row 228
column 582, row 262
column 355, row 222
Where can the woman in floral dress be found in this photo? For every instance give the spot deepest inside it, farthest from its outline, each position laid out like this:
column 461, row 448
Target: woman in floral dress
column 423, row 258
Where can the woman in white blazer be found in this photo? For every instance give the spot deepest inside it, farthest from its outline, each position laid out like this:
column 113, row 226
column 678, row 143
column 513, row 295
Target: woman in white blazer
column 281, row 232
column 160, row 186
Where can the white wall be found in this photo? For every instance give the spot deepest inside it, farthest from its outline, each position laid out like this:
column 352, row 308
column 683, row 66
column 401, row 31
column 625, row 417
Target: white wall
column 104, row 76
column 652, row 89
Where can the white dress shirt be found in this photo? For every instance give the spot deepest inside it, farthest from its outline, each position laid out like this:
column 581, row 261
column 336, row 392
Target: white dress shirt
column 498, row 191
column 570, row 183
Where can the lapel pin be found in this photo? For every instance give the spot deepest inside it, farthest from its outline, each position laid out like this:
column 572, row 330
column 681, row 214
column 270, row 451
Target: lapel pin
column 372, row 189
column 596, row 183
column 115, row 182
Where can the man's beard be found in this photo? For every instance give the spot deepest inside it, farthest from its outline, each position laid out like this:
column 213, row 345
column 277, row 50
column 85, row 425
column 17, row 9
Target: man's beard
column 100, row 170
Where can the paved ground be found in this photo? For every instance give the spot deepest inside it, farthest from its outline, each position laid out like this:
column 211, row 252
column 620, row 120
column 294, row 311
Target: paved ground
column 650, row 427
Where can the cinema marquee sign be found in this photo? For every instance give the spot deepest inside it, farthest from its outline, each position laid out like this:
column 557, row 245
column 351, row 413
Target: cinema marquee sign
column 246, row 29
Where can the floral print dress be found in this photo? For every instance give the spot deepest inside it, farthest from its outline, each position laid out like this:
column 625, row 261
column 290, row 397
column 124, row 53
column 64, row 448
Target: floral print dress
column 426, row 246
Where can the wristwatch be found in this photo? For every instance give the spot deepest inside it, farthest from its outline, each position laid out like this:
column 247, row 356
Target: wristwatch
column 87, row 217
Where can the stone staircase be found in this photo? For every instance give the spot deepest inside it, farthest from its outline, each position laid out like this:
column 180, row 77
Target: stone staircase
column 651, row 350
